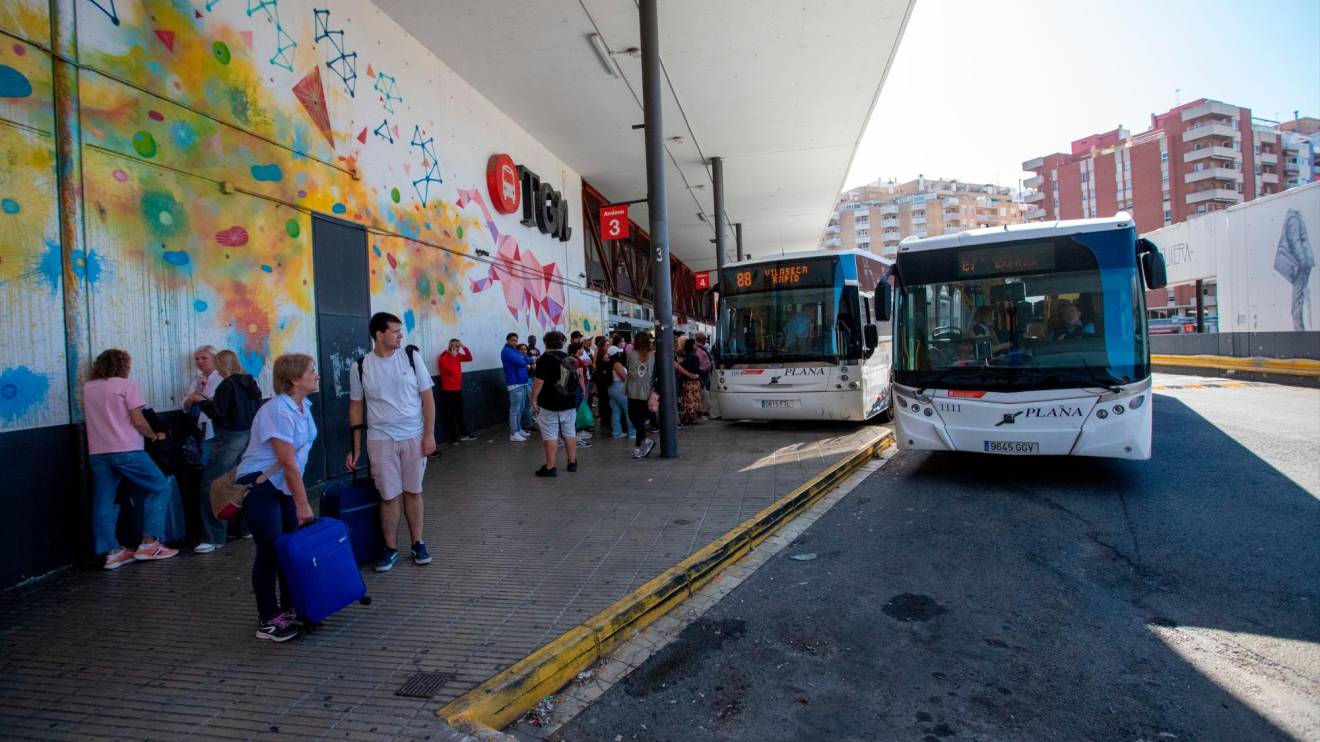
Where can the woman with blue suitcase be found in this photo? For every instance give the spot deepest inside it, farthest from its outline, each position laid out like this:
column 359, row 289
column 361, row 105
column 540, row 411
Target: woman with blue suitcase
column 282, row 436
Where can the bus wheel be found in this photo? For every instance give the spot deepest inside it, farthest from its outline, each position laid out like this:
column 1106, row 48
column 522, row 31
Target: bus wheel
column 885, row 416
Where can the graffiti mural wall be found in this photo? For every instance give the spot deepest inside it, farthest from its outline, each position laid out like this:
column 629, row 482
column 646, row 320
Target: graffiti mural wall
column 33, row 386
column 211, row 131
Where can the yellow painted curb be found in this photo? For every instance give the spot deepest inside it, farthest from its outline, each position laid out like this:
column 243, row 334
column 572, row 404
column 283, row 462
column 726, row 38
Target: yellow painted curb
column 1285, row 366
column 503, row 698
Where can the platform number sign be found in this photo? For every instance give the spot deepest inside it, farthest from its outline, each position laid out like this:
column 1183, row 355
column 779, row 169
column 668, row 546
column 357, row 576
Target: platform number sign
column 703, row 281
column 614, row 222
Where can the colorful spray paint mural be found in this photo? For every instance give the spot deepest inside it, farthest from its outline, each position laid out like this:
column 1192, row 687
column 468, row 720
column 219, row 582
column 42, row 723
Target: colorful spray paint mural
column 211, row 130
column 33, row 386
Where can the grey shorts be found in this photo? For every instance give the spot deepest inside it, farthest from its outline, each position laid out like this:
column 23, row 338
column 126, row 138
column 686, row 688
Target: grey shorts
column 396, row 466
column 556, row 423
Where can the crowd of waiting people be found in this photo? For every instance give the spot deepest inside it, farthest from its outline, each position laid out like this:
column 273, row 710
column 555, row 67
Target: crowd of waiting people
column 560, row 391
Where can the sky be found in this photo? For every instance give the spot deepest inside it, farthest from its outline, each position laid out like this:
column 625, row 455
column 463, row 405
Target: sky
column 977, row 88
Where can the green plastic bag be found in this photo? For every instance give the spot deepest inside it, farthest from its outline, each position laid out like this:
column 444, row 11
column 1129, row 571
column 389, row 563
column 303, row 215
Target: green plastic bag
column 585, row 420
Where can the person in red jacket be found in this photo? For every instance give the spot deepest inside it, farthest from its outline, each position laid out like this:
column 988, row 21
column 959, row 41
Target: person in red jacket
column 451, row 390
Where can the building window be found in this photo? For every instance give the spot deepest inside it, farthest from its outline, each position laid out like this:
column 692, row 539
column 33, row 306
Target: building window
column 1168, row 215
column 1164, row 157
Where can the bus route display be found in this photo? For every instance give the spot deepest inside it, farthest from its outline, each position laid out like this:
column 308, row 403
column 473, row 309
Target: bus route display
column 999, row 261
column 784, row 274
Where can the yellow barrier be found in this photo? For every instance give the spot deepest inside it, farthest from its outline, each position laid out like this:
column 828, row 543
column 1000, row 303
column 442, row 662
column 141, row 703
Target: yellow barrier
column 500, row 700
column 1284, row 366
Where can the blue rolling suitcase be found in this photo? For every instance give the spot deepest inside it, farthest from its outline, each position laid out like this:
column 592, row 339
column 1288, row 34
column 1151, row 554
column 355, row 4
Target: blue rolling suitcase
column 357, row 503
column 317, row 563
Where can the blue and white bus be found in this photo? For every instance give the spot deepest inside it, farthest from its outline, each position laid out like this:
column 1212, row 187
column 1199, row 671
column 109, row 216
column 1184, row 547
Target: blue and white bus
column 1027, row 339
column 802, row 337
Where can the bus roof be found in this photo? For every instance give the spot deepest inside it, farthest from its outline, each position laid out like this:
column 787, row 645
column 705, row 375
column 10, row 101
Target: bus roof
column 1015, row 232
column 806, row 254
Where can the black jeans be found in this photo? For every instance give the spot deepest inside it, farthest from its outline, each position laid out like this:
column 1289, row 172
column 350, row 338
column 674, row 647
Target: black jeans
column 269, row 513
column 451, row 411
column 639, row 413
column 602, row 406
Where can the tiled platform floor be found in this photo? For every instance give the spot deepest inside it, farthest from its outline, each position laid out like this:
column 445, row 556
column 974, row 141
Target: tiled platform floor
column 166, row 650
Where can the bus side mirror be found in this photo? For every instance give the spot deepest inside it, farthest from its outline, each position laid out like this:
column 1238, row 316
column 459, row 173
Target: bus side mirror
column 884, row 302
column 872, row 335
column 1152, row 264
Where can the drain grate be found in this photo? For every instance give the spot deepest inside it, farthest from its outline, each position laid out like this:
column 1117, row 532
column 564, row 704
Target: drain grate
column 424, row 684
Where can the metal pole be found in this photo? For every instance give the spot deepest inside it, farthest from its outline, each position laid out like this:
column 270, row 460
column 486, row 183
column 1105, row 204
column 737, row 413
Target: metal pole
column 721, row 249
column 69, row 187
column 737, row 237
column 1200, row 305
column 658, row 207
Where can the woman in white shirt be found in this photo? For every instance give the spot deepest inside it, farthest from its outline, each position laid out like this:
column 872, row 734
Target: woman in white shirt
column 282, row 436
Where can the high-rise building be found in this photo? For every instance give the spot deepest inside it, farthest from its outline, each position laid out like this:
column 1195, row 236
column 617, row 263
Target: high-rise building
column 1196, row 158
column 877, row 215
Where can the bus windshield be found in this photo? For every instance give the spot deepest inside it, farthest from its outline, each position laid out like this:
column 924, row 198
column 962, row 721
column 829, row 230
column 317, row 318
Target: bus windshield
column 790, row 325
column 1049, row 314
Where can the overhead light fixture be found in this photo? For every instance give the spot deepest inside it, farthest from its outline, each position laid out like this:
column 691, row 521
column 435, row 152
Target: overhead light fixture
column 603, row 53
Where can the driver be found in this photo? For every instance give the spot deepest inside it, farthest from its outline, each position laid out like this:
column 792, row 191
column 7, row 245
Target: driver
column 1070, row 324
column 983, row 327
column 797, row 332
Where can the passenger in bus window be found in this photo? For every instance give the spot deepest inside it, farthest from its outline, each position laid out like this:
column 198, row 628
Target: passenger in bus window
column 1070, row 324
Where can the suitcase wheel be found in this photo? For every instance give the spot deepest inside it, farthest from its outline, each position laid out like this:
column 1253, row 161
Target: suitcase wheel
column 365, row 600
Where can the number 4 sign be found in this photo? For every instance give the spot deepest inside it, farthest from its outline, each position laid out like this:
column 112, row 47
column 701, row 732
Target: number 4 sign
column 614, row 222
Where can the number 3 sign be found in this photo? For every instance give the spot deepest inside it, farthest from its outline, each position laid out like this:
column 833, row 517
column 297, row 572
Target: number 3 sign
column 614, row 222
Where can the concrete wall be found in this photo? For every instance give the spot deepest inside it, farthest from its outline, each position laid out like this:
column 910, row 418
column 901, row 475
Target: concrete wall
column 1240, row 344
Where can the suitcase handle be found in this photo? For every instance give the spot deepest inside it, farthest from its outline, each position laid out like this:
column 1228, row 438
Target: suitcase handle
column 311, row 522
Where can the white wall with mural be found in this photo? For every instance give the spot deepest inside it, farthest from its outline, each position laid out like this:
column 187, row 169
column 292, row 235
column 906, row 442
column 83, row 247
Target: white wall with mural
column 1261, row 253
column 211, row 131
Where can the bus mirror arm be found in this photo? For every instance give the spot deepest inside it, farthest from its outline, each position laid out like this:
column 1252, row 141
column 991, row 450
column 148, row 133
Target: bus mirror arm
column 1152, row 264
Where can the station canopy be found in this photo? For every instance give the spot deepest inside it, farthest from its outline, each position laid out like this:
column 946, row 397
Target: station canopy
column 781, row 90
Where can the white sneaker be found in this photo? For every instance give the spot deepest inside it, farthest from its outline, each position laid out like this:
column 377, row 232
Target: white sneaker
column 205, row 548
column 518, row 438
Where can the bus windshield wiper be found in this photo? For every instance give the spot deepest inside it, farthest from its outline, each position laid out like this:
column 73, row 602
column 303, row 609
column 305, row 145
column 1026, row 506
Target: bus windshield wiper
column 1107, row 382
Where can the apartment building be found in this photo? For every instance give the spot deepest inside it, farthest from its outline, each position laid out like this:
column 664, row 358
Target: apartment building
column 1197, row 158
column 878, row 215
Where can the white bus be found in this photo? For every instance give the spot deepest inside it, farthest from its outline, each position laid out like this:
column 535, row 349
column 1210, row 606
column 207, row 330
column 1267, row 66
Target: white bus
column 1028, row 339
column 804, row 337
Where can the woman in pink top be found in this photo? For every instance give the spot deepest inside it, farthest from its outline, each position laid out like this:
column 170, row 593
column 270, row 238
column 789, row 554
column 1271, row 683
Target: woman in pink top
column 115, row 432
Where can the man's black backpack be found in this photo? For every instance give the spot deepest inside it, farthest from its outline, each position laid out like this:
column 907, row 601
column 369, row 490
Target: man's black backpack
column 568, row 378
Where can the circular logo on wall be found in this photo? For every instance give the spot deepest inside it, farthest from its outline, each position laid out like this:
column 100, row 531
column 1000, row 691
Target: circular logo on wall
column 502, row 184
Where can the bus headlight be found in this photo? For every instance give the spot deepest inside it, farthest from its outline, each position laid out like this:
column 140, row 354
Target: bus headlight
column 1137, row 402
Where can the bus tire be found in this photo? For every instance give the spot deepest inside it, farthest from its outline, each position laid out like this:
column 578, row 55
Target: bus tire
column 884, row 416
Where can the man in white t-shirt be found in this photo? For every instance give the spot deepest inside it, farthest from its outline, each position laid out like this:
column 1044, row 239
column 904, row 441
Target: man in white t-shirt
column 400, row 423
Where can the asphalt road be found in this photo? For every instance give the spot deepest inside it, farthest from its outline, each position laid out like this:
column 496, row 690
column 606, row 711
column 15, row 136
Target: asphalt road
column 964, row 597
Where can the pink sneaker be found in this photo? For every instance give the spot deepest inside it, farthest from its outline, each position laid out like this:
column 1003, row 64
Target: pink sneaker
column 154, row 550
column 117, row 559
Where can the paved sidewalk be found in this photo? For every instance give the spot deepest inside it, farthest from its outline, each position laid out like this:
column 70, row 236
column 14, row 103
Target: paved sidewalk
column 166, row 650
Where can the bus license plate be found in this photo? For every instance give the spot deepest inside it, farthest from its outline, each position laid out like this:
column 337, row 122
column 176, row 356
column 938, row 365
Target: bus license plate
column 767, row 404
column 1011, row 447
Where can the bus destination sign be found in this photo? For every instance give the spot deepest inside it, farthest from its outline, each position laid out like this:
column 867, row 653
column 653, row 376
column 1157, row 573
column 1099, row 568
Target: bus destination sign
column 995, row 262
column 780, row 275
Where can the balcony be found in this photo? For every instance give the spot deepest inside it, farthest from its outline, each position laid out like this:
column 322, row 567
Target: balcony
column 922, row 219
column 1214, row 194
column 1212, row 173
column 832, row 229
column 1218, row 153
column 1291, row 165
column 1265, row 136
column 951, row 202
column 1269, row 178
column 952, row 230
column 920, row 233
column 1034, row 181
column 1034, row 214
column 833, row 242
column 1210, row 108
column 1034, row 197
column 1268, row 158
column 888, row 209
column 1209, row 130
column 1034, row 164
column 890, row 237
column 890, row 223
